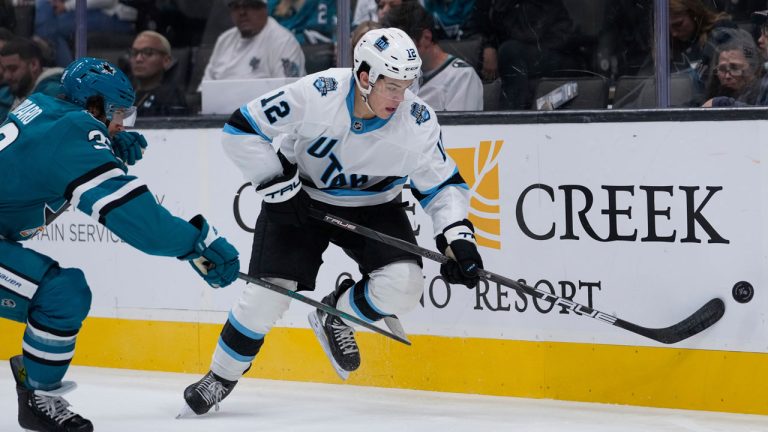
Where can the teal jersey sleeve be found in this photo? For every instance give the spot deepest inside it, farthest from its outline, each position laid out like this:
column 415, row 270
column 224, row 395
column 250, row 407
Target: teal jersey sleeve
column 92, row 180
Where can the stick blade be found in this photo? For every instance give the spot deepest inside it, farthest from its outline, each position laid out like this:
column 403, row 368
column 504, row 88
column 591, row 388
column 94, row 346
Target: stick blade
column 697, row 322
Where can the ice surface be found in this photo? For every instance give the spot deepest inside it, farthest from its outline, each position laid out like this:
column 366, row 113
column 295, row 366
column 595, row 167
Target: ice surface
column 133, row 401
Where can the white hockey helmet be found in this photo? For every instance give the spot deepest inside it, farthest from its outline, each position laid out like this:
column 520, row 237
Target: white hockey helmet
column 389, row 52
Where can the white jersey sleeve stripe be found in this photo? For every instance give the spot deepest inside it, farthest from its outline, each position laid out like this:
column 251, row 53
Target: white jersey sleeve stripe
column 77, row 194
column 114, row 196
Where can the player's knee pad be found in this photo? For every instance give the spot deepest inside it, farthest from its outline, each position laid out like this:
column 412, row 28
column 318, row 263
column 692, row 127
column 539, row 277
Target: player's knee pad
column 259, row 308
column 396, row 288
column 62, row 301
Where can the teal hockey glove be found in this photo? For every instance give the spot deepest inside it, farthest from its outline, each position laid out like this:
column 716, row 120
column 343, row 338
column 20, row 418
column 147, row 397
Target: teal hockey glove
column 458, row 243
column 214, row 258
column 129, row 146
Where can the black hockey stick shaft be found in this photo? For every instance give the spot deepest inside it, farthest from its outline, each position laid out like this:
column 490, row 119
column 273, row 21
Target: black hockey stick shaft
column 700, row 320
column 322, row 306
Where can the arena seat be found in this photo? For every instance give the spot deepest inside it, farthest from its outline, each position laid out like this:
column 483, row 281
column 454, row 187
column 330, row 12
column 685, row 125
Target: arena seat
column 592, row 91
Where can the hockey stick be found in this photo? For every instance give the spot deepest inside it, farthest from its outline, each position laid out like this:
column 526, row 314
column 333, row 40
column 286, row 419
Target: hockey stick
column 322, row 306
column 700, row 320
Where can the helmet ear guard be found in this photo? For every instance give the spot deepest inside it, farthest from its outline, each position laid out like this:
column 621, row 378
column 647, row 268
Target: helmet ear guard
column 89, row 76
column 387, row 52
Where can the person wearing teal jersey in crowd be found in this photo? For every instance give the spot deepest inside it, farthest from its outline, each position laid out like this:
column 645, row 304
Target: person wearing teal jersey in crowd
column 311, row 21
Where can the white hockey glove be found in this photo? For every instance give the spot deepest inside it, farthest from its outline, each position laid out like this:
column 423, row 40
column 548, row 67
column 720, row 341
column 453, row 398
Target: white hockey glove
column 458, row 243
column 285, row 202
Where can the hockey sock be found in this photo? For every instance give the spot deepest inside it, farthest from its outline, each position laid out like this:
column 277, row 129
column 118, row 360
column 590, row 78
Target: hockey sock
column 47, row 355
column 357, row 301
column 235, row 350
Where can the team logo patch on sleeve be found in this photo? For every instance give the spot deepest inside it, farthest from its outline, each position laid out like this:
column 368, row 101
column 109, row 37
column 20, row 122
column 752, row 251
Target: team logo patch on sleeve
column 325, row 85
column 381, row 43
column 420, row 112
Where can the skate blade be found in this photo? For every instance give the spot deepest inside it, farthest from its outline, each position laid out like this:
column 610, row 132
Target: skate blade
column 317, row 326
column 185, row 412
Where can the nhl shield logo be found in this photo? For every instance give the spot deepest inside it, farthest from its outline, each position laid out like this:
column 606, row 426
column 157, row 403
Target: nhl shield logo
column 325, row 85
column 420, row 112
column 357, row 125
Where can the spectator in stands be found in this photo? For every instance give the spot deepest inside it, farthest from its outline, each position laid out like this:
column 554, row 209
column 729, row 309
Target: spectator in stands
column 454, row 19
column 738, row 67
column 55, row 22
column 625, row 42
column 447, row 83
column 257, row 47
column 157, row 94
column 373, row 10
column 691, row 26
column 6, row 97
column 22, row 63
column 524, row 40
column 760, row 20
column 311, row 21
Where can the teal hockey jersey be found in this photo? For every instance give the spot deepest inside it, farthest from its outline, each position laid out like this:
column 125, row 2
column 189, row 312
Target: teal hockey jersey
column 311, row 21
column 54, row 153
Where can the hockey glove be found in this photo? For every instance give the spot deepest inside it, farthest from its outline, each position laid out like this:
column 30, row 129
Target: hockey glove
column 129, row 146
column 285, row 202
column 458, row 242
column 213, row 257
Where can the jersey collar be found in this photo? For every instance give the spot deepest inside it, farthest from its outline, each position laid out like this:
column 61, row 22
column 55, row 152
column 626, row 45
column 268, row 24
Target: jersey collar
column 359, row 125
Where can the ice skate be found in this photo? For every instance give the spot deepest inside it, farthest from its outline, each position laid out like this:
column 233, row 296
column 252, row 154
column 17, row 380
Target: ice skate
column 205, row 394
column 336, row 338
column 45, row 411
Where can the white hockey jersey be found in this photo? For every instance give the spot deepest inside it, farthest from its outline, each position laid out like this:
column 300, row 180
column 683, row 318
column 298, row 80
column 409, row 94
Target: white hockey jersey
column 453, row 86
column 273, row 53
column 344, row 160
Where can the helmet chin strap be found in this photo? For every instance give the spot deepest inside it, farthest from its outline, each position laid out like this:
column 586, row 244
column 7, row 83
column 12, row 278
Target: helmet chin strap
column 365, row 93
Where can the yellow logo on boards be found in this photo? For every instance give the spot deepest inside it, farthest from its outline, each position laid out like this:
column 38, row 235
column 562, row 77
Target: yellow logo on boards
column 480, row 169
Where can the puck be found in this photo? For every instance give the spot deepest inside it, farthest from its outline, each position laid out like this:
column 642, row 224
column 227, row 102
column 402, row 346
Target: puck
column 743, row 292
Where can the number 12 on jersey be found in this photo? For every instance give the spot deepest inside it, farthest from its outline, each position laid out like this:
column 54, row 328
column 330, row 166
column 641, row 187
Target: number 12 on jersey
column 277, row 110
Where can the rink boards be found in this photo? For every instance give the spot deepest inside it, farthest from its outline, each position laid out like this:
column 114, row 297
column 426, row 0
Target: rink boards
column 646, row 220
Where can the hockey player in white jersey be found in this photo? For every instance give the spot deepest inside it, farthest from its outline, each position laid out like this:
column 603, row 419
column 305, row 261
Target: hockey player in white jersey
column 349, row 139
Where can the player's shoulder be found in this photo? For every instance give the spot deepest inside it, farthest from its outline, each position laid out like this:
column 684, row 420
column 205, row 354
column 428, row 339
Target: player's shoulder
column 330, row 83
column 458, row 63
column 54, row 112
column 418, row 115
column 227, row 38
column 275, row 31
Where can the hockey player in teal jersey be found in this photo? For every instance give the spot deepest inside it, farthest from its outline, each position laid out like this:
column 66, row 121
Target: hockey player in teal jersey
column 56, row 153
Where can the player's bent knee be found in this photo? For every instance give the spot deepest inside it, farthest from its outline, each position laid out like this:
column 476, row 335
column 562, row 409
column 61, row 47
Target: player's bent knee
column 258, row 309
column 397, row 287
column 63, row 301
